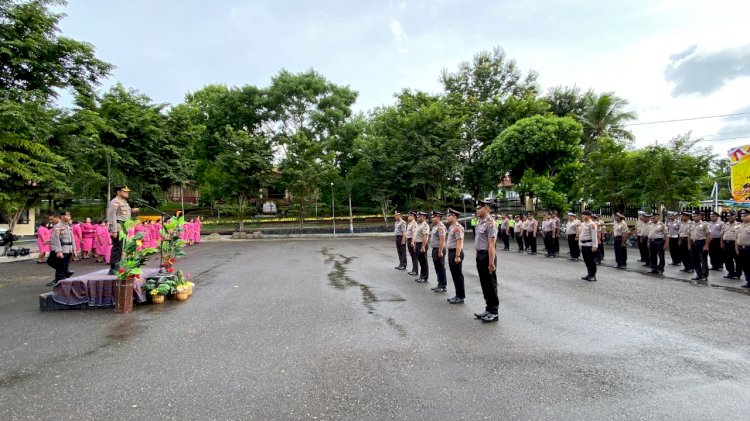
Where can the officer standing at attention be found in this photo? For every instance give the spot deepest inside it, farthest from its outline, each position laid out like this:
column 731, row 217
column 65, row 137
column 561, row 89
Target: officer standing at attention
column 621, row 231
column 61, row 247
column 556, row 236
column 685, row 253
column 728, row 238
column 511, row 225
column 486, row 260
column 118, row 211
column 399, row 230
column 673, row 227
column 411, row 229
column 601, row 229
column 422, row 236
column 641, row 230
column 437, row 243
column 504, row 233
column 714, row 247
column 588, row 240
column 518, row 232
column 455, row 245
column 700, row 237
column 572, row 233
column 742, row 246
column 531, row 228
column 658, row 240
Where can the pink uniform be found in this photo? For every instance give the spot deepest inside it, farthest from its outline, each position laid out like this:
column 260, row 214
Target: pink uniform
column 148, row 241
column 103, row 245
column 198, row 226
column 88, row 233
column 78, row 237
column 42, row 239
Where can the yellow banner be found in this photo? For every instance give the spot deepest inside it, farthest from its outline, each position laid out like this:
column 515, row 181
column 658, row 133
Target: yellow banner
column 739, row 159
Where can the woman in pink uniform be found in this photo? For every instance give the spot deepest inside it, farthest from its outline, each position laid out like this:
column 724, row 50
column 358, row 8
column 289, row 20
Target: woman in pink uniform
column 185, row 234
column 157, row 233
column 88, row 232
column 148, row 241
column 198, row 226
column 77, row 238
column 101, row 241
column 42, row 241
column 138, row 228
column 108, row 242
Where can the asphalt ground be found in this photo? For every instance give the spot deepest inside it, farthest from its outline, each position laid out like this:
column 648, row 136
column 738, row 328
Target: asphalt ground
column 327, row 329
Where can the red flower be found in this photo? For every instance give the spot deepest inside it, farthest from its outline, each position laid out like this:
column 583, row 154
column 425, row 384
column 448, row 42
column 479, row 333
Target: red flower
column 170, row 270
column 122, row 270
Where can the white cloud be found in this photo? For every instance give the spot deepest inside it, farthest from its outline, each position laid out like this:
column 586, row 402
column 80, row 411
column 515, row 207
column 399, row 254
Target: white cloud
column 399, row 36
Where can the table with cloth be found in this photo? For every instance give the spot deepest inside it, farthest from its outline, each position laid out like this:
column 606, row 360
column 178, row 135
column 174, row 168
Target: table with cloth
column 97, row 289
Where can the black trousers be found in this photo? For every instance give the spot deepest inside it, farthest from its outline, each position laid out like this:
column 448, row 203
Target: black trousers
column 488, row 281
column 547, row 240
column 556, row 242
column 715, row 252
column 621, row 252
column 700, row 258
column 599, row 255
column 60, row 265
column 457, row 272
column 656, row 249
column 643, row 248
column 439, row 263
column 424, row 268
column 686, row 257
column 115, row 254
column 506, row 239
column 588, row 258
column 401, row 248
column 511, row 232
column 531, row 242
column 519, row 240
column 413, row 255
column 575, row 251
column 674, row 250
column 744, row 260
column 731, row 260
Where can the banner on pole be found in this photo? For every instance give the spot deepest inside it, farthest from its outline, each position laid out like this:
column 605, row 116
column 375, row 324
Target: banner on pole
column 739, row 160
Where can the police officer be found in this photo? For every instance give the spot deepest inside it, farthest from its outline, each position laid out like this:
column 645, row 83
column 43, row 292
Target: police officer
column 455, row 245
column 399, row 230
column 518, row 232
column 700, row 237
column 486, row 261
column 572, row 233
column 118, row 211
column 658, row 241
column 728, row 238
column 601, row 229
column 556, row 236
column 621, row 232
column 61, row 245
column 641, row 230
column 714, row 247
column 684, row 233
column 588, row 240
column 504, row 232
column 742, row 246
column 411, row 229
column 673, row 228
column 437, row 244
column 422, row 236
column 532, row 228
column 548, row 227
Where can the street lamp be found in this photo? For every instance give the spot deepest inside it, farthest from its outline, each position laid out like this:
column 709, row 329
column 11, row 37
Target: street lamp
column 333, row 210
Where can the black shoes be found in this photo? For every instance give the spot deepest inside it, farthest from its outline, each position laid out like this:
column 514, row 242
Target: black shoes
column 455, row 300
column 400, row 268
column 69, row 274
column 590, row 278
column 482, row 314
column 621, row 267
column 421, row 280
column 573, row 259
column 655, row 272
column 439, row 289
column 413, row 273
column 489, row 318
column 51, row 283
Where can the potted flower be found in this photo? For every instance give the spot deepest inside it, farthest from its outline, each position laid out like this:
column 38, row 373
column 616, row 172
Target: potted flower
column 129, row 271
column 183, row 287
column 159, row 293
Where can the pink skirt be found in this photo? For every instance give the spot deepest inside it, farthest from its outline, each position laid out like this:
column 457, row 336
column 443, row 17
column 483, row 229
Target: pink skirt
column 43, row 248
column 77, row 241
column 88, row 244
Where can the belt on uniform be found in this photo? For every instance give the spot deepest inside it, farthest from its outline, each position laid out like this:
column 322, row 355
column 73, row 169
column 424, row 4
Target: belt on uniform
column 451, row 249
column 585, row 241
column 483, row 252
column 743, row 247
column 699, row 241
column 66, row 244
column 656, row 239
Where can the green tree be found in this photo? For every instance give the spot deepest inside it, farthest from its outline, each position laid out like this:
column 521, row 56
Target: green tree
column 604, row 117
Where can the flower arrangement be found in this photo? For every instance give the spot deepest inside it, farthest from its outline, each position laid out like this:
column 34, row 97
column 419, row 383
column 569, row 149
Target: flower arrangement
column 134, row 256
column 172, row 246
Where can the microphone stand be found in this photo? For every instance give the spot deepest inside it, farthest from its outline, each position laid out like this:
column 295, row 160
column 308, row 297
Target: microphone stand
column 163, row 220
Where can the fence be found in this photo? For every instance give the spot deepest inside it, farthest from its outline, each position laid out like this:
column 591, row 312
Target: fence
column 631, row 212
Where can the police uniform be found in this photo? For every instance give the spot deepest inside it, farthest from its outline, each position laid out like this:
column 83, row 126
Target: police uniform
column 422, row 236
column 601, row 230
column 399, row 230
column 742, row 246
column 504, row 234
column 118, row 212
column 658, row 235
column 700, row 233
column 673, row 229
column 588, row 240
column 485, row 236
column 641, row 230
column 454, row 244
column 685, row 254
column 518, row 232
column 728, row 240
column 714, row 247
column 61, row 241
column 558, row 228
column 437, row 244
column 531, row 231
column 572, row 233
column 621, row 232
column 548, row 229
column 411, row 229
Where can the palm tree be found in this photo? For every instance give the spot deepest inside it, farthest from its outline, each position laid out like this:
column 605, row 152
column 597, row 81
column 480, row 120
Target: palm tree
column 604, row 116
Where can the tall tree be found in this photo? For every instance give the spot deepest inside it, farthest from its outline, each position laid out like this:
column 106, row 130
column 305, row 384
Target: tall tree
column 603, row 116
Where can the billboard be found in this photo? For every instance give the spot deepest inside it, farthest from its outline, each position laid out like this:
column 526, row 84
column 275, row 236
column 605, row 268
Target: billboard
column 739, row 161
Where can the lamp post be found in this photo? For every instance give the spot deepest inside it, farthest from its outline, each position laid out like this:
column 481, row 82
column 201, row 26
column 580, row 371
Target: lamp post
column 333, row 210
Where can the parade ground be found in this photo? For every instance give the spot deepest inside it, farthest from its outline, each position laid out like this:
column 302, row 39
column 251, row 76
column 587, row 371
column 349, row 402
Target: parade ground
column 327, row 329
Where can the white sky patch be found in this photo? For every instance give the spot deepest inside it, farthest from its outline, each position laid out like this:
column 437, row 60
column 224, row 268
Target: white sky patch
column 399, row 36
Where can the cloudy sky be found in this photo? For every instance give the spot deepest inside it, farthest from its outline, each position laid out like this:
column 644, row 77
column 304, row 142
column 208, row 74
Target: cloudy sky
column 671, row 59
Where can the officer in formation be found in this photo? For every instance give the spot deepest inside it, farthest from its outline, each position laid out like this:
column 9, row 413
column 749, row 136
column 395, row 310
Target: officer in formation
column 673, row 229
column 511, row 226
column 505, row 232
column 118, row 211
column 685, row 253
column 700, row 237
column 601, row 230
column 411, row 229
column 422, row 236
column 455, row 246
column 727, row 243
column 399, row 230
column 714, row 247
column 658, row 241
column 549, row 230
column 518, row 232
column 572, row 233
column 437, row 244
column 742, row 246
column 61, row 247
column 588, row 240
column 484, row 244
column 531, row 228
column 621, row 231
column 641, row 230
